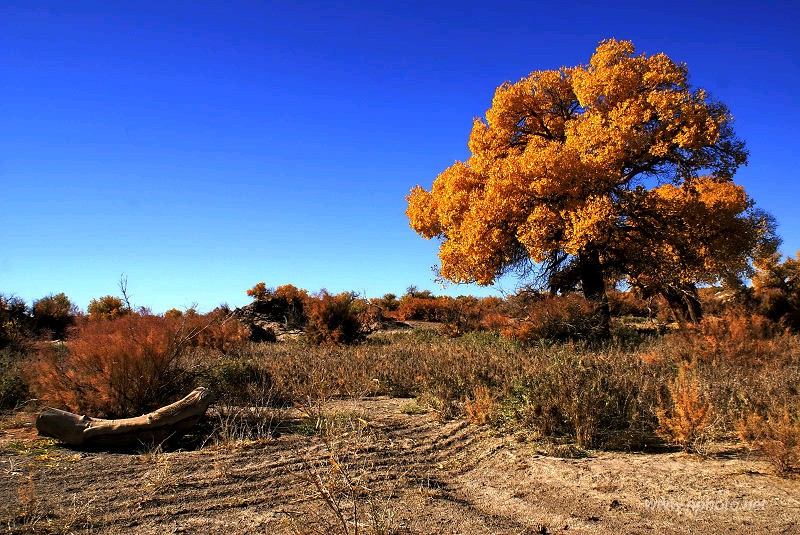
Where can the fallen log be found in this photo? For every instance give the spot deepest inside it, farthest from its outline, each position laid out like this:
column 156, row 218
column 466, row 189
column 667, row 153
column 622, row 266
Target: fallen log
column 152, row 428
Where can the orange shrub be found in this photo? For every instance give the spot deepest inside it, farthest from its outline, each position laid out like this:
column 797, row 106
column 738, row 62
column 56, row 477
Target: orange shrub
column 285, row 304
column 259, row 291
column 736, row 336
column 685, row 419
column 216, row 330
column 334, row 319
column 480, row 407
column 423, row 309
column 114, row 368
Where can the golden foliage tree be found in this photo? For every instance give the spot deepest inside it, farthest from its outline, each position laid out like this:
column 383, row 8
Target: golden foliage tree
column 615, row 169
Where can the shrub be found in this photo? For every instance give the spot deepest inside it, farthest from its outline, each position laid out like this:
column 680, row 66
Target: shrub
column 106, row 308
column 15, row 324
column 387, row 303
column 334, row 319
column 115, row 368
column 777, row 290
column 737, row 336
column 216, row 330
column 556, row 318
column 777, row 437
column 686, row 418
column 423, row 309
column 258, row 292
column 238, row 381
column 588, row 397
column 628, row 304
column 480, row 406
column 286, row 304
column 13, row 387
column 53, row 314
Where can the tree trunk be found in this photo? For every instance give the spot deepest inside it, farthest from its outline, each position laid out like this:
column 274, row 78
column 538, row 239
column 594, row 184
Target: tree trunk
column 155, row 427
column 684, row 303
column 593, row 284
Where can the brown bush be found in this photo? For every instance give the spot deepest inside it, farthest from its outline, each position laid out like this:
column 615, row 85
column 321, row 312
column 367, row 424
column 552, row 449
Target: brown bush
column 286, row 304
column 334, row 319
column 259, row 291
column 777, row 436
column 629, row 304
column 216, row 330
column 480, row 407
column 777, row 290
column 115, row 368
column 737, row 335
column 436, row 309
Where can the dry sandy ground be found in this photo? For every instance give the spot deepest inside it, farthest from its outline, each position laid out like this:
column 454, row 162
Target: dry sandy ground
column 403, row 471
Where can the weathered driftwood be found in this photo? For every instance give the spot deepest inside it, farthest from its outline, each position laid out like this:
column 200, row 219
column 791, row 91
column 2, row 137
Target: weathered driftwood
column 172, row 420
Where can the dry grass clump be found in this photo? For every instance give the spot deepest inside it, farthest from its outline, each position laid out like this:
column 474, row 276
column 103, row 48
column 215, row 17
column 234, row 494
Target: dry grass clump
column 776, row 436
column 480, row 407
column 555, row 318
column 590, row 397
column 687, row 417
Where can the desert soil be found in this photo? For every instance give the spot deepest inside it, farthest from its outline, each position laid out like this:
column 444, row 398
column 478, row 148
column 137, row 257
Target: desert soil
column 411, row 474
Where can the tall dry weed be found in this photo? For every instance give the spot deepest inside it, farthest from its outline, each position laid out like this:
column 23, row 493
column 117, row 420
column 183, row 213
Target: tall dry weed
column 687, row 416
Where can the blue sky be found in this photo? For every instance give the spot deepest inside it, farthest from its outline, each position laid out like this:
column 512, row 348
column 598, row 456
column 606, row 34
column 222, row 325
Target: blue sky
column 202, row 147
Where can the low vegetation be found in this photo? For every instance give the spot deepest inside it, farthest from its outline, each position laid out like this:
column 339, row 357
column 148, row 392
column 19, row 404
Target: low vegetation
column 530, row 365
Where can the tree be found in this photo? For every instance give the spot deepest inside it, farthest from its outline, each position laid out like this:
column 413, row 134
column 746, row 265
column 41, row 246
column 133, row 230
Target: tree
column 591, row 174
column 258, row 292
column 107, row 307
column 14, row 321
column 776, row 289
column 54, row 313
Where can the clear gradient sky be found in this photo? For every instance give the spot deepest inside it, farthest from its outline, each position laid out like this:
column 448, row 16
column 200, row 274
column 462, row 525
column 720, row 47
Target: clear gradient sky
column 201, row 147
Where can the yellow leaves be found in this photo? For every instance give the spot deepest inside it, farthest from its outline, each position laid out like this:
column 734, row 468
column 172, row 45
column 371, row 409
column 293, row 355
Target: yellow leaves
column 421, row 213
column 725, row 197
column 541, row 232
column 690, row 233
column 590, row 222
column 611, row 53
column 697, row 198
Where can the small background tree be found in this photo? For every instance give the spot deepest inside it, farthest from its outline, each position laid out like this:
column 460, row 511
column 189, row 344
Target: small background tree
column 107, row 307
column 53, row 314
column 334, row 319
